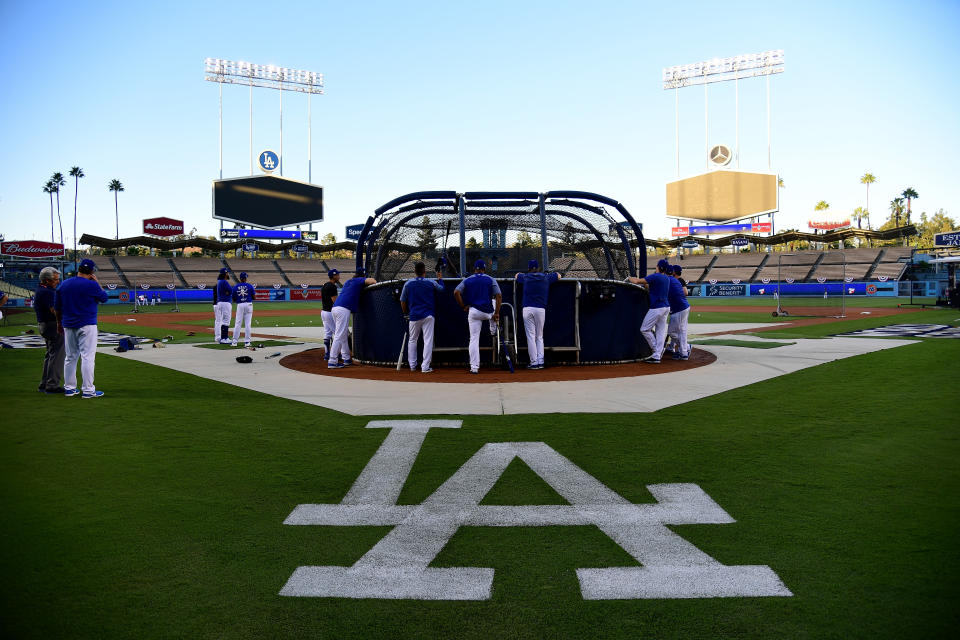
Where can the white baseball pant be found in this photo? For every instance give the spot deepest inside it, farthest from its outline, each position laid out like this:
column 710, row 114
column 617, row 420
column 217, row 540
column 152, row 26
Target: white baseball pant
column 475, row 320
column 533, row 320
column 329, row 325
column 341, row 332
column 243, row 319
column 222, row 312
column 678, row 330
column 79, row 343
column 413, row 331
column 654, row 330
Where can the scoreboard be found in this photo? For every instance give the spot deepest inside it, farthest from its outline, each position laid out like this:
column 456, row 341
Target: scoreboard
column 268, row 234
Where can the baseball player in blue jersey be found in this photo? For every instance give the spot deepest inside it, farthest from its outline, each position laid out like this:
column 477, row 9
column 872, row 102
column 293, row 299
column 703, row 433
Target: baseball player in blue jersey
column 536, row 285
column 243, row 295
column 222, row 307
column 347, row 303
column 75, row 307
column 417, row 299
column 654, row 327
column 477, row 295
column 679, row 313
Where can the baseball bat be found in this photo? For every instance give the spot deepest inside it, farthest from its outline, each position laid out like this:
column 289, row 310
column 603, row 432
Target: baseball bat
column 400, row 357
column 503, row 347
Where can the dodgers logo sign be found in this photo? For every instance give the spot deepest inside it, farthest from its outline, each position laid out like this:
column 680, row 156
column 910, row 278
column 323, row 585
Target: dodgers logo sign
column 269, row 161
column 398, row 566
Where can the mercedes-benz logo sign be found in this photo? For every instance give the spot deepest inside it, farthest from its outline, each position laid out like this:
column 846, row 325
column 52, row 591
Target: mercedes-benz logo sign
column 720, row 154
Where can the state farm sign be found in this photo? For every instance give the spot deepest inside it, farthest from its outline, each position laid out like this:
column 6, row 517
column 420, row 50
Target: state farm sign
column 163, row 227
column 31, row 249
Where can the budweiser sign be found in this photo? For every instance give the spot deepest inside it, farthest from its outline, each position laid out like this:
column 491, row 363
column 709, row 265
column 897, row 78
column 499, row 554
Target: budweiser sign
column 31, row 249
column 163, row 227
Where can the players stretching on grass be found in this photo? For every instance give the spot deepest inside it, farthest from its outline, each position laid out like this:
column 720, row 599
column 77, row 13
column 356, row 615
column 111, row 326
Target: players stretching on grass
column 476, row 295
column 679, row 314
column 328, row 295
column 222, row 307
column 243, row 295
column 347, row 303
column 417, row 302
column 654, row 327
column 535, row 288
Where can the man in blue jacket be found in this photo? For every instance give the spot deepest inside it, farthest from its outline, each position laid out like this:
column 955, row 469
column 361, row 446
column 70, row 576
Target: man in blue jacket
column 76, row 310
column 346, row 304
column 222, row 307
column 477, row 295
column 654, row 327
column 243, row 295
column 418, row 300
column 536, row 286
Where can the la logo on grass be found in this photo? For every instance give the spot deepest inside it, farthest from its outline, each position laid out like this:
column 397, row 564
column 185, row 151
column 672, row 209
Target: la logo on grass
column 398, row 567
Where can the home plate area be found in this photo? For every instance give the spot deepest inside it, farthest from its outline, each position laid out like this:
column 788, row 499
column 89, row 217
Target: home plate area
column 35, row 341
column 908, row 331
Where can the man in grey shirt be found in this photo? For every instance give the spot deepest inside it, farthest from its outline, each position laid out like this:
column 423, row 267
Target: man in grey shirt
column 43, row 305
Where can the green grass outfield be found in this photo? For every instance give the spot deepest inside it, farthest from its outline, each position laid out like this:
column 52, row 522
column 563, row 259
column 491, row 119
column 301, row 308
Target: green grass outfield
column 157, row 511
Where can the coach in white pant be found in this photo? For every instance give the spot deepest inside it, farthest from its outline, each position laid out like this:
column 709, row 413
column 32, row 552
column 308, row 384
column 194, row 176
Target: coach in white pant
column 76, row 310
column 654, row 326
column 536, row 285
column 480, row 296
column 417, row 301
column 347, row 303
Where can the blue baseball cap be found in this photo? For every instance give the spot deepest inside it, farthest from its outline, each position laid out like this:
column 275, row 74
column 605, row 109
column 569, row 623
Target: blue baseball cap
column 88, row 263
column 663, row 264
column 361, row 271
column 669, row 270
column 224, row 270
column 332, row 273
column 480, row 264
column 677, row 269
column 243, row 275
column 533, row 264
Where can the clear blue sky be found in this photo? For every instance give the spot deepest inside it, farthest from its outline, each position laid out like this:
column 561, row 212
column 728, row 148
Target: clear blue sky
column 470, row 96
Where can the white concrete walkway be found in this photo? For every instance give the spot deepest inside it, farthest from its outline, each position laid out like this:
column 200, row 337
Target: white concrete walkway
column 735, row 367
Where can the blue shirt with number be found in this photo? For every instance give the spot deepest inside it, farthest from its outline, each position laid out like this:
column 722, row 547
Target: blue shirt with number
column 535, row 287
column 419, row 295
column 478, row 291
column 243, row 292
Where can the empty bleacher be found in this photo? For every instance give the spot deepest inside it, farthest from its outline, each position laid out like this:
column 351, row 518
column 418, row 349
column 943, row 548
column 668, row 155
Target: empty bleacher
column 198, row 271
column 792, row 266
column 262, row 273
column 581, row 268
column 304, row 271
column 141, row 270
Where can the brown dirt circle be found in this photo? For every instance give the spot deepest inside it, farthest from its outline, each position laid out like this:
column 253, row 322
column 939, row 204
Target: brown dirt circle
column 311, row 361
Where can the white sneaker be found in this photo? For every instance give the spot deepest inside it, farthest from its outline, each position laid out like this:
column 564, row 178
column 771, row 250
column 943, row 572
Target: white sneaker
column 233, row 344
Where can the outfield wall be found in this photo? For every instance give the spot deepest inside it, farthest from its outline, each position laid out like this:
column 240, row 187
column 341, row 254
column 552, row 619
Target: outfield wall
column 799, row 289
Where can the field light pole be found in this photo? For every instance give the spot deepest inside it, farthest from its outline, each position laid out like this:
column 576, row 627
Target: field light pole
column 266, row 77
column 722, row 70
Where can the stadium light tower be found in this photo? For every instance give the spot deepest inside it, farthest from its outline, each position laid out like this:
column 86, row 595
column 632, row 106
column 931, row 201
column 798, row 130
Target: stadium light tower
column 722, row 70
column 267, row 77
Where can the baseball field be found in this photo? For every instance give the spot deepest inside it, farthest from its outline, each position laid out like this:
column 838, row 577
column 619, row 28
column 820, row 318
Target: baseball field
column 181, row 505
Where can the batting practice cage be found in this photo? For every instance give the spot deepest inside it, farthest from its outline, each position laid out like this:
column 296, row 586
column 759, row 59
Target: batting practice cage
column 593, row 316
column 812, row 284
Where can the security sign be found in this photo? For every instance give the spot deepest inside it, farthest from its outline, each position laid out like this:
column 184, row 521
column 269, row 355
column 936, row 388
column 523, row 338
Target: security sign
column 269, row 161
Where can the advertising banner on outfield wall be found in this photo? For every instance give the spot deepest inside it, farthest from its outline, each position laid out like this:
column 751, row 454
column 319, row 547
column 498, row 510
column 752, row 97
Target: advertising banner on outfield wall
column 269, row 295
column 726, row 289
column 304, row 294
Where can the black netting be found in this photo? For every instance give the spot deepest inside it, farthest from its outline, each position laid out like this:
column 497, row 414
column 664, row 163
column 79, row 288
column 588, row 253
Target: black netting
column 585, row 239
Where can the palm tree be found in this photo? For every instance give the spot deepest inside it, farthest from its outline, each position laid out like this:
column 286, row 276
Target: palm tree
column 859, row 214
column 909, row 193
column 821, row 206
column 896, row 208
column 77, row 173
column 115, row 186
column 49, row 189
column 868, row 179
column 58, row 181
